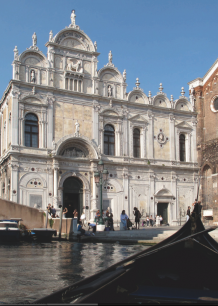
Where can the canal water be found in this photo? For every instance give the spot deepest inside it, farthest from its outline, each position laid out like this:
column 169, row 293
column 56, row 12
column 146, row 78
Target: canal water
column 30, row 271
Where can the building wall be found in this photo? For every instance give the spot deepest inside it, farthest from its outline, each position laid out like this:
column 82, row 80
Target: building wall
column 65, row 90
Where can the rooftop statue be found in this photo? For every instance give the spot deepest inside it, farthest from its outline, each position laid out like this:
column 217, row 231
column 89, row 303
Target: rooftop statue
column 34, row 38
column 16, row 54
column 95, row 46
column 50, row 36
column 73, row 18
column 110, row 57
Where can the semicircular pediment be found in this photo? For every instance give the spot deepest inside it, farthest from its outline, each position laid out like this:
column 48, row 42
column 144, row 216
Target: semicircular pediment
column 163, row 193
column 74, row 39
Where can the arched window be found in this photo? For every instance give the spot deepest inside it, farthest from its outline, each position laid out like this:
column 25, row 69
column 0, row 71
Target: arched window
column 109, row 140
column 182, row 147
column 31, row 131
column 136, row 143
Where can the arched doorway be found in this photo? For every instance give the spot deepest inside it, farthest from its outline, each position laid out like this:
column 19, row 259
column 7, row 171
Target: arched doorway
column 73, row 195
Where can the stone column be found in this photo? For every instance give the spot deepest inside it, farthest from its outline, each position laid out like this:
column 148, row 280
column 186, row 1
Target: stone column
column 151, row 135
column 55, row 198
column 14, row 183
column 193, row 143
column 126, row 194
column 39, row 76
column 95, row 110
column 102, row 140
column 43, row 134
column 177, row 146
column 6, row 132
column 172, row 138
column 188, row 146
column 143, row 142
column 50, row 133
column 81, row 85
column 27, row 73
column 125, row 136
column 152, row 191
column 130, row 140
column 117, row 143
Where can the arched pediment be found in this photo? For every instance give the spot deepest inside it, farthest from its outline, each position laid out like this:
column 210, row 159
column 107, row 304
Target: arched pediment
column 183, row 104
column 33, row 58
column 110, row 74
column 137, row 96
column 71, row 146
column 32, row 99
column 27, row 178
column 161, row 100
column 163, row 193
column 109, row 112
column 74, row 38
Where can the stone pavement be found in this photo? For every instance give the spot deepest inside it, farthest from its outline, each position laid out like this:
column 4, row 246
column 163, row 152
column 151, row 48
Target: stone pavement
column 146, row 235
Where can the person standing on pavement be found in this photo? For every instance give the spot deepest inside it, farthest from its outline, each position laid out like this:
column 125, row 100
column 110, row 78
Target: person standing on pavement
column 137, row 215
column 124, row 218
column 161, row 220
column 151, row 221
column 147, row 221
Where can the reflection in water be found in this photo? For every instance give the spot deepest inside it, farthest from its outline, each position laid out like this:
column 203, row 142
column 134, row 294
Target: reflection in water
column 31, row 271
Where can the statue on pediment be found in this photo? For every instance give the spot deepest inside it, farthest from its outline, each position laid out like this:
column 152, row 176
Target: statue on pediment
column 50, row 36
column 73, row 18
column 34, row 38
column 95, row 46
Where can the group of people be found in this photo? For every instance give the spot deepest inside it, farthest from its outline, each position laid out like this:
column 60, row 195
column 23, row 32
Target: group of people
column 126, row 221
column 108, row 218
column 150, row 221
column 52, row 211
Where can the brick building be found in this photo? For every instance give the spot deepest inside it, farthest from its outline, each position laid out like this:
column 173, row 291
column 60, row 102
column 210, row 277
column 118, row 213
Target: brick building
column 204, row 93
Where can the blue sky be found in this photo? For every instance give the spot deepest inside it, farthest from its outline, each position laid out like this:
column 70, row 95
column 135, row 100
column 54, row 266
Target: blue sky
column 159, row 41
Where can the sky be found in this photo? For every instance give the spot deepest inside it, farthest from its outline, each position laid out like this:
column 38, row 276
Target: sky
column 158, row 41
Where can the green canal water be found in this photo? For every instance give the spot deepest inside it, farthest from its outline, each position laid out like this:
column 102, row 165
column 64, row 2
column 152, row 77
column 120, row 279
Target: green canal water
column 29, row 271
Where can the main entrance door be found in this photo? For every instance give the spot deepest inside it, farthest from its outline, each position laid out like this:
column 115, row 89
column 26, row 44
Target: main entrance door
column 73, row 195
column 162, row 210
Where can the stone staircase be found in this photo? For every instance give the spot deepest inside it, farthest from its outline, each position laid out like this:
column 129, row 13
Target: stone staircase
column 145, row 235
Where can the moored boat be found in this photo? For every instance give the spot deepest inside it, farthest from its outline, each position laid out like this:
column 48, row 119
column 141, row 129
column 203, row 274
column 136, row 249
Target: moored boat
column 43, row 234
column 177, row 270
column 9, row 231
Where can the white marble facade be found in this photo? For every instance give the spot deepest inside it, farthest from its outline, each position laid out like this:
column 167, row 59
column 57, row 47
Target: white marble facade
column 73, row 102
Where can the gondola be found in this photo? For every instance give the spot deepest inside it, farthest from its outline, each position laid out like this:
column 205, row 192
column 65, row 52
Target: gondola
column 177, row 270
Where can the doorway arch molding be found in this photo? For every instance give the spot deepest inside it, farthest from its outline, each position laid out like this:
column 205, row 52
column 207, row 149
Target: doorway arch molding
column 86, row 189
column 75, row 174
column 164, row 195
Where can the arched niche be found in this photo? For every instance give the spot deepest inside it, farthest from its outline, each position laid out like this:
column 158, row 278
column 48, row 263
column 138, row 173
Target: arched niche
column 161, row 100
column 84, row 148
column 183, row 105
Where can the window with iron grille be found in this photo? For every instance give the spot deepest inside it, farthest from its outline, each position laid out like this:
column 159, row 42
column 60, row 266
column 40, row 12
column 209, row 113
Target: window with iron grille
column 109, row 140
column 31, row 131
